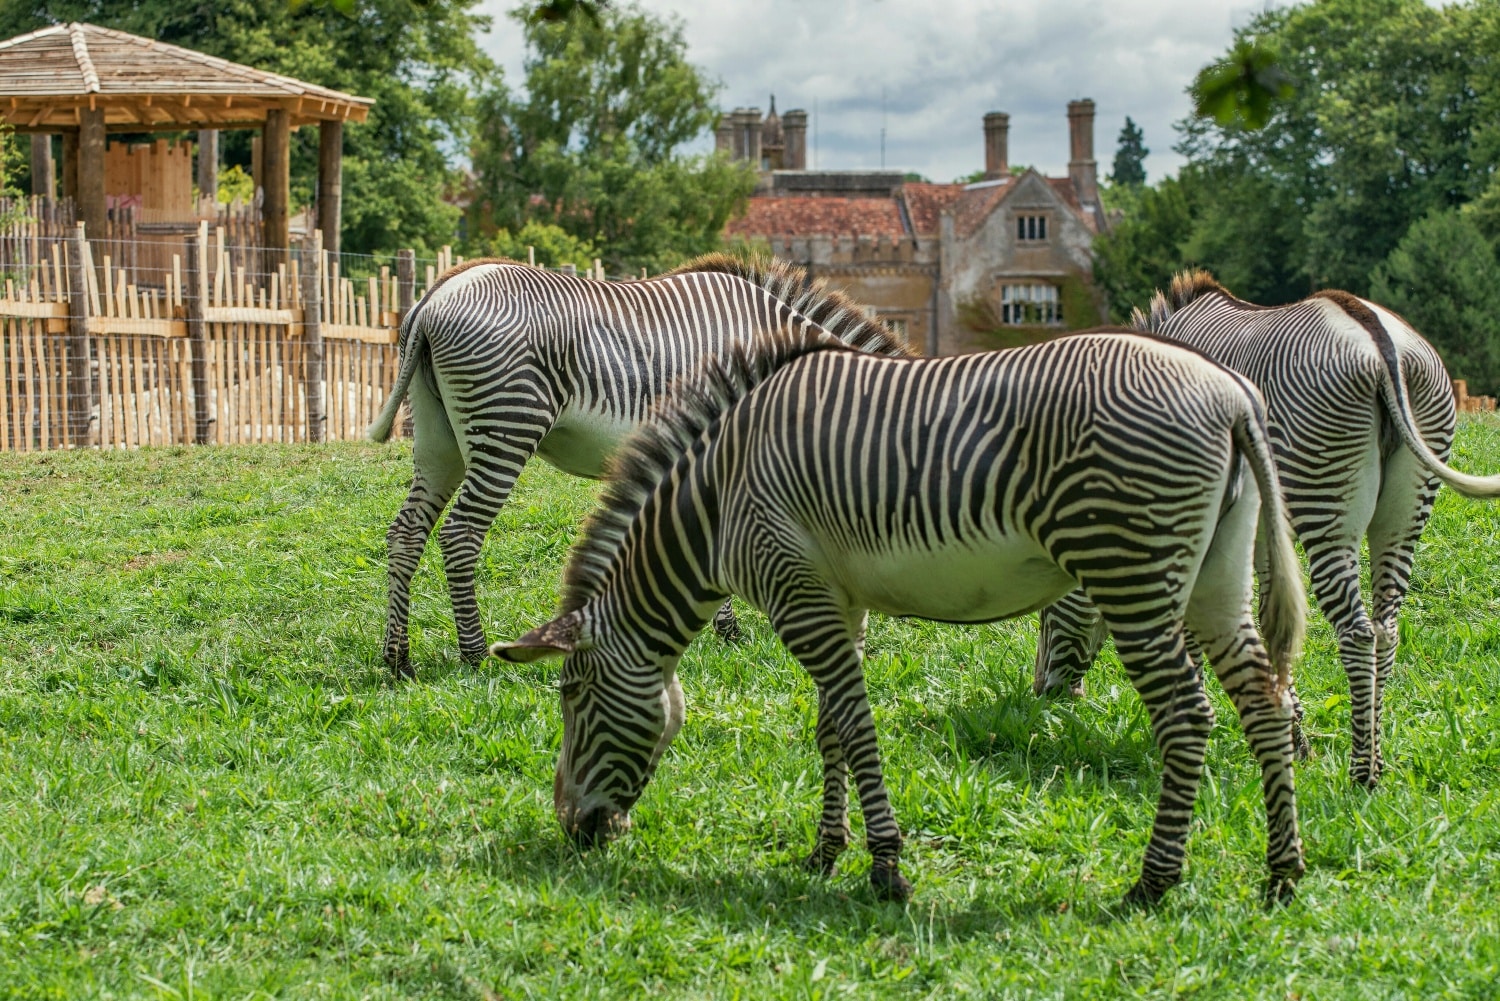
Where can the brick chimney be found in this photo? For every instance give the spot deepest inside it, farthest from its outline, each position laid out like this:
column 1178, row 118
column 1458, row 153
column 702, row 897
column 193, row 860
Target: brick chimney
column 794, row 129
column 724, row 134
column 996, row 145
column 1082, row 170
column 747, row 135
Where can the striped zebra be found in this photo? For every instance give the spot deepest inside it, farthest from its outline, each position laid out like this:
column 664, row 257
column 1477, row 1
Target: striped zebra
column 1362, row 417
column 502, row 361
column 818, row 483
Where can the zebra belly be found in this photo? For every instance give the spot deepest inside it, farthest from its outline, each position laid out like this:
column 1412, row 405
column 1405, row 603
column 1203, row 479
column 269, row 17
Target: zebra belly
column 581, row 442
column 975, row 583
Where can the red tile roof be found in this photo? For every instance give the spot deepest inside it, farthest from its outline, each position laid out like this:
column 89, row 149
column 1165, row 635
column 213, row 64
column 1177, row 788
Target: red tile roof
column 817, row 216
column 925, row 203
column 974, row 206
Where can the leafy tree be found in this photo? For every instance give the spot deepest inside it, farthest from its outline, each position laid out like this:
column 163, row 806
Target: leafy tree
column 1444, row 278
column 1381, row 126
column 1242, row 88
column 11, row 160
column 1130, row 156
column 552, row 245
column 1142, row 251
column 594, row 143
column 419, row 59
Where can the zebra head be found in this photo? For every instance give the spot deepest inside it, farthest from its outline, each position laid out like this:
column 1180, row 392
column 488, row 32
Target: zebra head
column 621, row 707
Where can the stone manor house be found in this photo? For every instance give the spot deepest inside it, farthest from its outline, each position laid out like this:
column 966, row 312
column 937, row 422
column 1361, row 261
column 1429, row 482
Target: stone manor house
column 951, row 267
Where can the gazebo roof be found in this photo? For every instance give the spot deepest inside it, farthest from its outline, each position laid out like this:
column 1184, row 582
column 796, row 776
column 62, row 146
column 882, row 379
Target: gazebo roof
column 48, row 76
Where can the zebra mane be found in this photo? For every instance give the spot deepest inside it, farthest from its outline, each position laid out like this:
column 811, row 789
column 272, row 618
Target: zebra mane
column 1187, row 287
column 831, row 309
column 693, row 404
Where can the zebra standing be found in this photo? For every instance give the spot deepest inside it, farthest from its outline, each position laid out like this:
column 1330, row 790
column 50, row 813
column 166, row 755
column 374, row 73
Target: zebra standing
column 818, row 482
column 1362, row 417
column 502, row 361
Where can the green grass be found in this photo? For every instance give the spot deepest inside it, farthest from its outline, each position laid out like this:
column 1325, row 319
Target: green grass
column 208, row 786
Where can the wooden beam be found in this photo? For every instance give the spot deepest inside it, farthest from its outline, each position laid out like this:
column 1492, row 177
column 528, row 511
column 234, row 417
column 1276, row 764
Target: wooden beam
column 330, row 183
column 276, row 161
column 43, row 177
column 208, row 163
column 93, row 212
column 70, row 164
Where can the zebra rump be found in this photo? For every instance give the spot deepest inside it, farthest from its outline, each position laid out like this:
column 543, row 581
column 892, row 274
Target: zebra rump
column 1362, row 418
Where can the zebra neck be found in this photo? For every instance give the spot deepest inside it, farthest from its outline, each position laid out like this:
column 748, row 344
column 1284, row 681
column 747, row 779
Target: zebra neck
column 667, row 578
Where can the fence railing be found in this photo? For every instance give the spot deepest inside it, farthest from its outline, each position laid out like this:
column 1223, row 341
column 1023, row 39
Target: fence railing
column 213, row 353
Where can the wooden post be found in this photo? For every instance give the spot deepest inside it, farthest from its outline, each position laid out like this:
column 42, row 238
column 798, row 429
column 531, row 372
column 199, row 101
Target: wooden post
column 80, row 389
column 70, row 164
column 312, row 334
column 275, row 155
column 195, row 297
column 208, row 164
column 330, row 183
column 92, row 210
column 43, row 180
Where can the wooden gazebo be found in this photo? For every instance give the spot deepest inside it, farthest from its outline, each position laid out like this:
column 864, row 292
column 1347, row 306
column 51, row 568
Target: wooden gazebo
column 85, row 81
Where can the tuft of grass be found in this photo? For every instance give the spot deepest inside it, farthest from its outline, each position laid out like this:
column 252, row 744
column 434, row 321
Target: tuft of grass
column 209, row 786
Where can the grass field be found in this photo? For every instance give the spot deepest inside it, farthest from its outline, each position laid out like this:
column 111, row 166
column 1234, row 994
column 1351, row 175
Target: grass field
column 209, row 787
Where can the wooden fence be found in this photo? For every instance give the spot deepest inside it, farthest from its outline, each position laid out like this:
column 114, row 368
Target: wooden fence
column 212, row 354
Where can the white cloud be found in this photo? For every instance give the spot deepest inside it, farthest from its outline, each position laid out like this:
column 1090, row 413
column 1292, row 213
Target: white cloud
column 941, row 66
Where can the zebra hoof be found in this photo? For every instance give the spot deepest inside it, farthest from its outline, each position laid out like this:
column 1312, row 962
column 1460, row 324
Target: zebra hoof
column 1364, row 773
column 1146, row 893
column 820, row 863
column 727, row 625
column 474, row 657
column 1280, row 890
column 889, row 884
column 400, row 666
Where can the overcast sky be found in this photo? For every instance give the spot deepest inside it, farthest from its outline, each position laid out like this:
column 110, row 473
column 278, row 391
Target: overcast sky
column 942, row 65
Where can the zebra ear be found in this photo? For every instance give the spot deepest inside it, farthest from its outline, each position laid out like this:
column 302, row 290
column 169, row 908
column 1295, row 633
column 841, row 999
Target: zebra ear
column 557, row 638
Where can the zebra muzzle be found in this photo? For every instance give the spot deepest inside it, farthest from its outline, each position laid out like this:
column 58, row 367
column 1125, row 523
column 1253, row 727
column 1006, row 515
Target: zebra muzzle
column 596, row 826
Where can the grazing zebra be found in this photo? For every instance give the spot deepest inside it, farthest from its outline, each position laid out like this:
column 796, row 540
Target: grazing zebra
column 1361, row 413
column 502, row 361
column 818, row 482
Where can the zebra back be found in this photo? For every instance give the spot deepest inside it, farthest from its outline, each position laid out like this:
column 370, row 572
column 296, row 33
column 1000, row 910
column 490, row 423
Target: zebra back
column 829, row 308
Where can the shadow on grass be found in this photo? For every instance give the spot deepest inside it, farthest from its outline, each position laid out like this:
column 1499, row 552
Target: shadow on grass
column 775, row 892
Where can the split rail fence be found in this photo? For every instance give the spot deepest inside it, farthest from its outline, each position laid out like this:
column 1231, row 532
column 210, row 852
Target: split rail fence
column 211, row 354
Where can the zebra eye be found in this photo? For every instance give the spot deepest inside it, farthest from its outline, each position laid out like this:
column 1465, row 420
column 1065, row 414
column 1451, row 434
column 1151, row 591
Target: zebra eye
column 570, row 688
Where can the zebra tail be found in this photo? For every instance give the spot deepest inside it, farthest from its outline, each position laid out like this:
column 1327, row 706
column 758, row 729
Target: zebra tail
column 410, row 351
column 1283, row 599
column 1398, row 405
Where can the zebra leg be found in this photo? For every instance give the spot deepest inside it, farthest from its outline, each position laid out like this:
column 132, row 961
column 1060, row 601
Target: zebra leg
column 825, row 640
column 726, row 624
column 1218, row 614
column 1406, row 496
column 438, row 468
column 1181, row 719
column 1068, row 640
column 833, row 827
column 1335, row 577
column 495, row 461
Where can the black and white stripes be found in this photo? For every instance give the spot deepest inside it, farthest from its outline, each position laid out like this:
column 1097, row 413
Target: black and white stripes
column 502, row 361
column 818, row 483
column 1361, row 413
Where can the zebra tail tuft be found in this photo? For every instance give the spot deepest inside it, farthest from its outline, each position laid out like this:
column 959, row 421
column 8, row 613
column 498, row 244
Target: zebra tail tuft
column 410, row 352
column 1283, row 599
